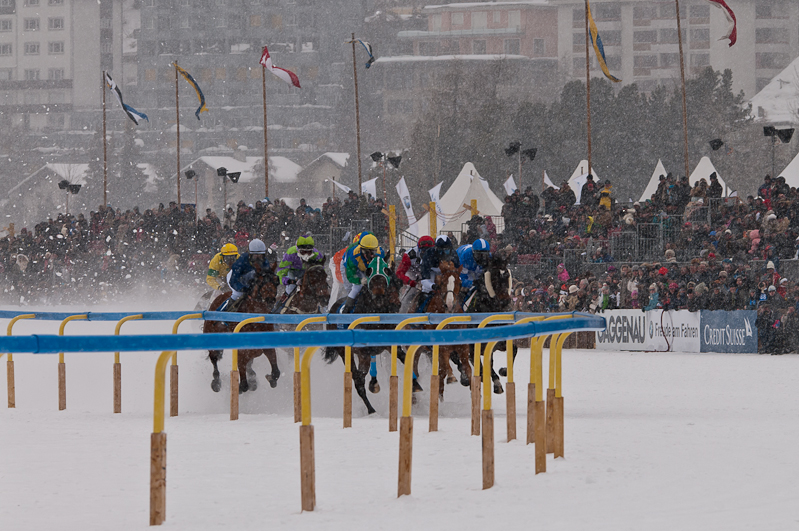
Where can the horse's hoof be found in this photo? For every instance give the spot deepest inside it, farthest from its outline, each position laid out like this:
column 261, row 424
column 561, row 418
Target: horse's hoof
column 243, row 386
column 371, row 411
column 252, row 383
column 272, row 379
column 216, row 385
column 416, row 387
column 451, row 379
column 413, row 399
column 498, row 390
column 374, row 386
column 465, row 380
column 503, row 371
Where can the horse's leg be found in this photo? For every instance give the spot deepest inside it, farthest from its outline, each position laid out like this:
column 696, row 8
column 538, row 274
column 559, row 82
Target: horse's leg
column 443, row 366
column 446, row 370
column 271, row 355
column 252, row 378
column 374, row 386
column 359, row 379
column 498, row 390
column 463, row 362
column 215, row 356
column 417, row 388
column 503, row 371
column 245, row 357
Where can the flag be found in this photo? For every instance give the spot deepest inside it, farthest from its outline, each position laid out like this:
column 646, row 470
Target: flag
column 549, row 183
column 368, row 48
column 286, row 75
column 596, row 41
column 346, row 189
column 734, row 194
column 576, row 185
column 435, row 192
column 200, row 95
column 132, row 113
column 370, row 187
column 405, row 198
column 510, row 186
column 732, row 24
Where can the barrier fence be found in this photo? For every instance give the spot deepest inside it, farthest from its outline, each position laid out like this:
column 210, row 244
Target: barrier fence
column 547, row 432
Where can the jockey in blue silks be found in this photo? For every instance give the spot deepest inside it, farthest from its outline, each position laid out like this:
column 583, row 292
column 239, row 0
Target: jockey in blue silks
column 474, row 259
column 244, row 271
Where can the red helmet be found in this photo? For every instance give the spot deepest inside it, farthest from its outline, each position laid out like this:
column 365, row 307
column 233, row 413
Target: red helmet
column 425, row 242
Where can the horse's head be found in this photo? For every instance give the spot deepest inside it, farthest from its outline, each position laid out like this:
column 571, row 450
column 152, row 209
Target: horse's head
column 266, row 283
column 449, row 282
column 499, row 283
column 382, row 286
column 314, row 284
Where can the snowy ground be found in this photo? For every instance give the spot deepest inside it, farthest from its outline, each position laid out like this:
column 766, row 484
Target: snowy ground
column 653, row 442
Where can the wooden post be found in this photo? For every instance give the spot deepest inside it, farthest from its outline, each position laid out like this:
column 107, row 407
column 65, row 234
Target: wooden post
column 173, row 390
column 393, row 402
column 12, row 399
column 434, row 402
column 530, row 412
column 405, row 456
column 550, row 430
column 157, row 478
column 348, row 400
column 307, row 468
column 266, row 157
column 488, row 448
column 105, row 149
column 297, row 397
column 177, row 127
column 684, row 102
column 476, row 405
column 432, row 222
column 539, row 431
column 357, row 118
column 473, row 207
column 557, row 427
column 510, row 398
column 117, row 387
column 588, row 87
column 62, row 386
column 234, row 395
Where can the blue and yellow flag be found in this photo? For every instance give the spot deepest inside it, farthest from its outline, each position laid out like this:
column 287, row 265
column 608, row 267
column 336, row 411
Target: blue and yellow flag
column 200, row 95
column 596, row 41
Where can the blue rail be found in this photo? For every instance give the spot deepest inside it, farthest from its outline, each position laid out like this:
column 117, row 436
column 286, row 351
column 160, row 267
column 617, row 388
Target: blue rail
column 50, row 344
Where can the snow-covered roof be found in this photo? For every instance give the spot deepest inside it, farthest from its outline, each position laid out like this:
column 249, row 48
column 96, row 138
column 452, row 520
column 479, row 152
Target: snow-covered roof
column 283, row 170
column 778, row 102
column 74, row 173
column 231, row 164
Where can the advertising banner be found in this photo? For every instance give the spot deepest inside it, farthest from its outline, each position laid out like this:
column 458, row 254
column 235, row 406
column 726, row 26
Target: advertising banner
column 675, row 331
column 729, row 331
column 626, row 330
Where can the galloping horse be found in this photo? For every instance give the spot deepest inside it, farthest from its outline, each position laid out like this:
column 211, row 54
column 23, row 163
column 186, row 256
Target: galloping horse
column 312, row 292
column 260, row 299
column 380, row 296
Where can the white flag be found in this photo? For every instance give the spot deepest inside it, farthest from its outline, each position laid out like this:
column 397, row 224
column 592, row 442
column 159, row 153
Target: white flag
column 405, row 198
column 435, row 192
column 370, row 187
column 510, row 186
column 576, row 185
column 734, row 194
column 343, row 187
column 549, row 183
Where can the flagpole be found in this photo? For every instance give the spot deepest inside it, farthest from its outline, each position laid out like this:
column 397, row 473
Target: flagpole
column 684, row 102
column 105, row 152
column 588, row 87
column 266, row 159
column 177, row 115
column 520, row 170
column 385, row 200
column 357, row 116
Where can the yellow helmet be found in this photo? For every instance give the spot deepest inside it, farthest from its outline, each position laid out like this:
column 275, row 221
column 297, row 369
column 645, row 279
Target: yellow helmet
column 229, row 250
column 369, row 241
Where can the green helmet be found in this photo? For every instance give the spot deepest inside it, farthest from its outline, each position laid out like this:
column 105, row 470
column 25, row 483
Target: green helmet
column 305, row 240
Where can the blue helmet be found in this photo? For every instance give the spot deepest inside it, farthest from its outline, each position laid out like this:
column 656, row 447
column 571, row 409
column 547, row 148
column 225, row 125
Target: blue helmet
column 480, row 245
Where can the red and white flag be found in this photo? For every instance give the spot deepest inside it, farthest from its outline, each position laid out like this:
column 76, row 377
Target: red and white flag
column 732, row 29
column 286, row 75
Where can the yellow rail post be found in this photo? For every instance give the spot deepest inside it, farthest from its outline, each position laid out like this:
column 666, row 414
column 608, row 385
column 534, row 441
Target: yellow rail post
column 62, row 367
column 173, row 371
column 12, row 395
column 488, row 419
column 510, row 385
column 392, row 232
column 475, row 377
column 432, row 222
column 406, row 427
column 434, row 383
column 235, row 375
column 118, row 365
column 158, row 445
column 307, row 454
column 348, row 370
column 550, row 437
column 393, row 381
column 297, row 371
column 557, row 428
column 473, row 207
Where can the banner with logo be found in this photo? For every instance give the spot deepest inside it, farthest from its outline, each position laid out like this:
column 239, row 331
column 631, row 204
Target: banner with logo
column 656, row 331
column 625, row 330
column 729, row 331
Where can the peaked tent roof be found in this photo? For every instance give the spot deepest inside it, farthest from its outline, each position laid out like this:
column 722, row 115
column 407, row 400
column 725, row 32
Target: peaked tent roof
column 654, row 181
column 485, row 206
column 578, row 179
column 778, row 101
column 791, row 173
column 703, row 171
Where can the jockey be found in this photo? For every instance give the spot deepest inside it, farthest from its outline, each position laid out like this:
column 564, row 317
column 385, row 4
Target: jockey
column 336, row 266
column 474, row 259
column 355, row 263
column 244, row 271
column 410, row 270
column 432, row 257
column 220, row 266
column 295, row 262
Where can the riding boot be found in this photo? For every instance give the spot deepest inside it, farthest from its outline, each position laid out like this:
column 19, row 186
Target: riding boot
column 225, row 305
column 348, row 306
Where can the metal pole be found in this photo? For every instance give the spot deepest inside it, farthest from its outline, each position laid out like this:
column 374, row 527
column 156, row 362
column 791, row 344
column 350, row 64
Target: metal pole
column 177, row 115
column 266, row 158
column 588, row 87
column 773, row 149
column 357, row 116
column 684, row 101
column 521, row 188
column 105, row 151
column 385, row 200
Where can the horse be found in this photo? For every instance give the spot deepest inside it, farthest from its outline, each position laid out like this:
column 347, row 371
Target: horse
column 259, row 299
column 312, row 293
column 380, row 296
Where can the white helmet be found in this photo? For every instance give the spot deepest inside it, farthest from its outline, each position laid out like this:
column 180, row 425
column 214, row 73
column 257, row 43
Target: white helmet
column 257, row 247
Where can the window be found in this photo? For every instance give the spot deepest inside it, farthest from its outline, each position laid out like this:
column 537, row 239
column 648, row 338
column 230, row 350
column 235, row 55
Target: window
column 479, row 47
column 513, row 46
column 6, row 74
column 148, row 23
column 539, row 47
column 645, row 61
column 149, row 3
column 31, row 2
column 428, row 48
column 700, row 59
column 642, row 37
column 435, row 22
column 32, row 75
column 578, row 39
column 645, row 12
column 763, row 11
column 611, row 38
column 56, row 119
column 772, row 60
column 220, row 74
column 771, row 36
column 31, row 48
column 56, row 2
column 514, row 19
column 496, row 17
column 55, row 24
column 220, row 21
column 185, row 22
column 479, row 20
column 457, row 19
column 255, row 21
column 668, row 11
column 669, row 60
column 55, row 73
column 579, row 63
column 185, row 3
column 606, row 12
column 150, row 74
column 55, row 48
column 700, row 11
column 700, row 35
column 31, row 24
column 5, row 49
column 56, row 96
column 613, row 62
column 5, row 25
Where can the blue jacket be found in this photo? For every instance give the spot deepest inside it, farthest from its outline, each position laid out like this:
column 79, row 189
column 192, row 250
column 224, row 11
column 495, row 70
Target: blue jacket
column 654, row 302
column 471, row 271
column 243, row 273
column 433, row 256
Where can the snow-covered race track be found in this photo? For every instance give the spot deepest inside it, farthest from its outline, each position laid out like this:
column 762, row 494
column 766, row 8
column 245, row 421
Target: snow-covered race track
column 652, row 441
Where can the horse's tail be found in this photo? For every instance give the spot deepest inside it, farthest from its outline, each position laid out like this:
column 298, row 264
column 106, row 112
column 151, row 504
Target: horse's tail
column 331, row 354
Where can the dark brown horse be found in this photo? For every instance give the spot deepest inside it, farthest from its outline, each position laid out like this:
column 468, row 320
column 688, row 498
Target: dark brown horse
column 312, row 293
column 259, row 299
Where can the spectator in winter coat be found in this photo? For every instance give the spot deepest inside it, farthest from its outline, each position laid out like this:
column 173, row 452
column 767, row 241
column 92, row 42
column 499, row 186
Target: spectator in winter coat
column 654, row 301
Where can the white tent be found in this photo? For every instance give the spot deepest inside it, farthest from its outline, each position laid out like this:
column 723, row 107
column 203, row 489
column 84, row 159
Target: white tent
column 791, row 173
column 485, row 207
column 580, row 177
column 703, row 171
column 776, row 104
column 652, row 187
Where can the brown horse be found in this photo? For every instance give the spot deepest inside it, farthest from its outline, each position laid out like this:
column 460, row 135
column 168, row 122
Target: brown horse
column 312, row 293
column 259, row 299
